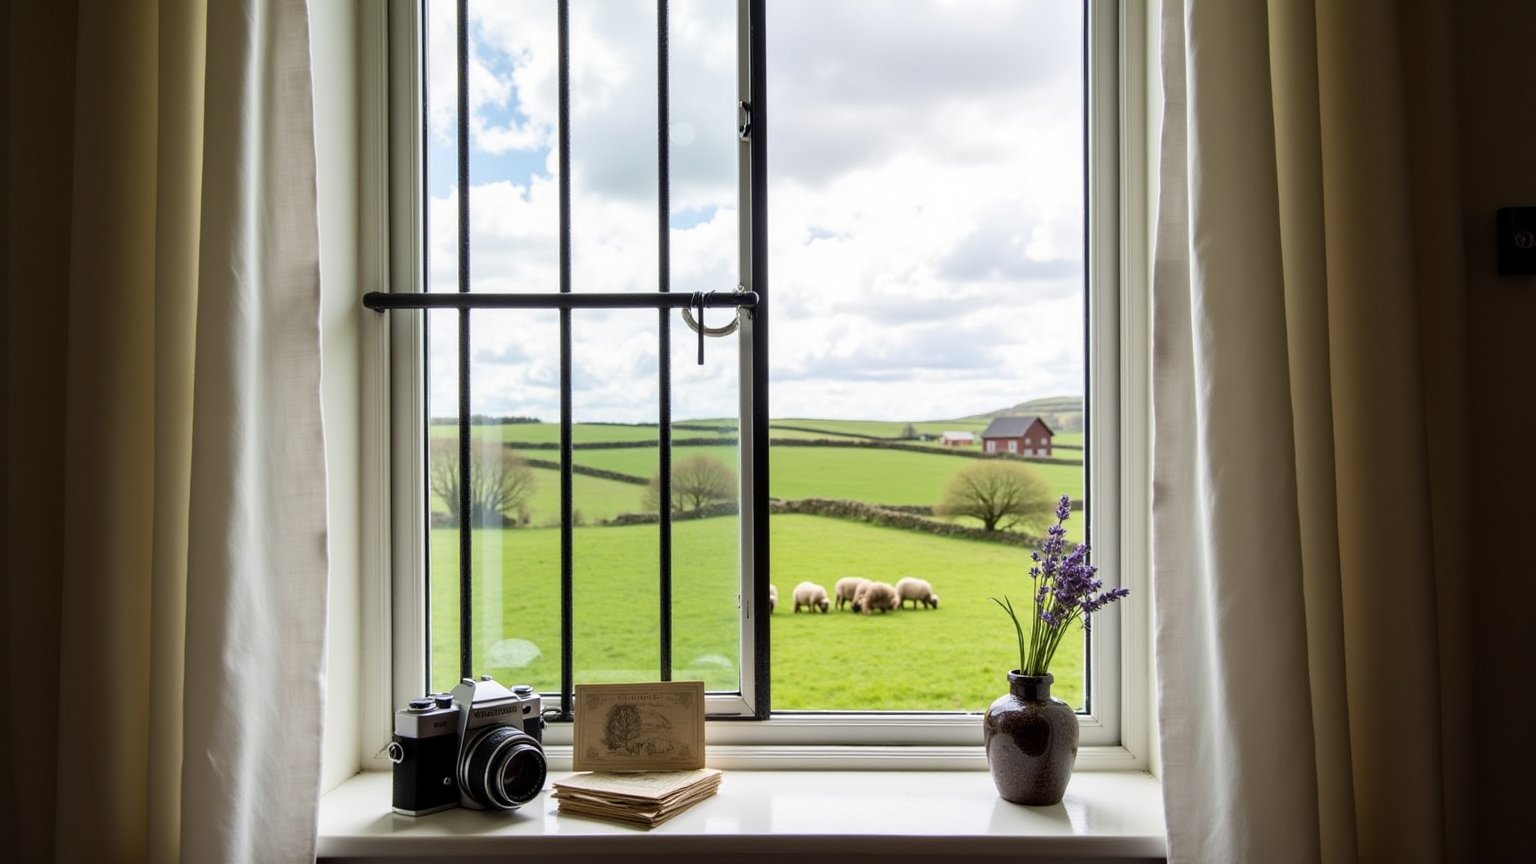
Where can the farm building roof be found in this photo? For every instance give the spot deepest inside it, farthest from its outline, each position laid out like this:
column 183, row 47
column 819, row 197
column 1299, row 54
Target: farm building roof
column 1012, row 427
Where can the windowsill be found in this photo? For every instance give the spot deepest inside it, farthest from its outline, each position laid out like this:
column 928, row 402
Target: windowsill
column 891, row 814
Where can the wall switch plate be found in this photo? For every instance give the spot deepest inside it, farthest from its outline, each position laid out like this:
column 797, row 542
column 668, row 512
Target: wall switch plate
column 1517, row 241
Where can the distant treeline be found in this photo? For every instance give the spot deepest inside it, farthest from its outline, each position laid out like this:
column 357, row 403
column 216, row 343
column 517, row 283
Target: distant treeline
column 485, row 420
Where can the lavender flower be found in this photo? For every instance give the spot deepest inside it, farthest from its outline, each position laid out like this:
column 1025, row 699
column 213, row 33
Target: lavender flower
column 1066, row 590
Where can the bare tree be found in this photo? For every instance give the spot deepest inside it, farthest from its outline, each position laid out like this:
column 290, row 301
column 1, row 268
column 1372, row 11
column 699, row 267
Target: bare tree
column 499, row 481
column 1000, row 494
column 697, row 480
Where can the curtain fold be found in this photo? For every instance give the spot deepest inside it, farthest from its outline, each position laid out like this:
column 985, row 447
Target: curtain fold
column 1305, row 529
column 256, row 559
column 190, row 573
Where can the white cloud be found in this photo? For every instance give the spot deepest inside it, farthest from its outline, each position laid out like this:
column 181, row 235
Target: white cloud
column 925, row 205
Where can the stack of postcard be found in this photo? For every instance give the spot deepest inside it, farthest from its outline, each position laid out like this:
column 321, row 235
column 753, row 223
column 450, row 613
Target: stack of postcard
column 647, row 798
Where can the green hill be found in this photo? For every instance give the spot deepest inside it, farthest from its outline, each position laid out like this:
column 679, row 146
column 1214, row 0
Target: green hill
column 1061, row 413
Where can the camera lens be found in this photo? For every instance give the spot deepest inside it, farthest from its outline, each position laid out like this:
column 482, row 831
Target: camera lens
column 503, row 768
column 521, row 777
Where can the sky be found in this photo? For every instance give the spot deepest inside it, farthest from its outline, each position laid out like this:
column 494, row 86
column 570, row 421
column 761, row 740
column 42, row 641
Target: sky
column 925, row 197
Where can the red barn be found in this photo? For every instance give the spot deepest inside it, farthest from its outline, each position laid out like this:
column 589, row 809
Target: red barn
column 1019, row 436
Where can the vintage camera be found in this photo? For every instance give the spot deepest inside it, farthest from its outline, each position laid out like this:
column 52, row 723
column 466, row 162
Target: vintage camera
column 477, row 747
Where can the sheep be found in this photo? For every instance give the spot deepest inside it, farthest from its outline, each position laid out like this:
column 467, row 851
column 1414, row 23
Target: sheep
column 773, row 598
column 918, row 591
column 811, row 596
column 847, row 587
column 876, row 595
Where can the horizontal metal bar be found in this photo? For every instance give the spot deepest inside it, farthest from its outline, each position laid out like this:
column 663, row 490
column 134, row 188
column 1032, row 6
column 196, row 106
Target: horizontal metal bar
column 380, row 301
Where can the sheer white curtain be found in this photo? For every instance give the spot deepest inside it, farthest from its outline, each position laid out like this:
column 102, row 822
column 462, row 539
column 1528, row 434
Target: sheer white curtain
column 1309, row 490
column 186, row 592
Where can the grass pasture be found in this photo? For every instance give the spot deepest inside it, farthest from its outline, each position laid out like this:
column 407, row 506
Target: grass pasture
column 952, row 658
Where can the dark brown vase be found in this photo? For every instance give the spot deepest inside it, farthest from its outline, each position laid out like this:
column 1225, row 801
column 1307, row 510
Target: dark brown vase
column 1031, row 741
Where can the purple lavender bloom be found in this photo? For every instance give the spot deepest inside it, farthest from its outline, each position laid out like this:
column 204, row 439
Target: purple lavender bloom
column 1066, row 590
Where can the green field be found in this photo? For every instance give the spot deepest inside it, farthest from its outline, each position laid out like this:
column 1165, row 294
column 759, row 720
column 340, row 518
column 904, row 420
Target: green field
column 952, row 658
column 642, row 462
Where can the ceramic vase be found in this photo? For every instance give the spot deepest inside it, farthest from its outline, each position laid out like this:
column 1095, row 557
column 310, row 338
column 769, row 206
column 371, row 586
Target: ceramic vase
column 1031, row 740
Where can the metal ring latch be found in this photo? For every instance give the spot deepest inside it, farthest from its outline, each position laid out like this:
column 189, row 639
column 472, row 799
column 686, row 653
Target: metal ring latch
column 724, row 330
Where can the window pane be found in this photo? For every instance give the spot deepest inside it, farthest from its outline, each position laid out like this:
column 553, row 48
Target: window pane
column 515, row 498
column 514, row 247
column 926, row 237
column 706, row 548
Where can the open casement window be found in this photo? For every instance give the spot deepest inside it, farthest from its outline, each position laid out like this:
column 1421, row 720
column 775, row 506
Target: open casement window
column 575, row 186
column 573, row 527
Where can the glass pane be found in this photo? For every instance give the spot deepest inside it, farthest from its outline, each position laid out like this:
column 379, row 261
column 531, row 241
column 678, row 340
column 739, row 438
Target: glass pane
column 706, row 552
column 616, row 595
column 613, row 146
column 515, row 497
column 514, row 399
column 706, row 531
column 513, row 169
column 926, row 231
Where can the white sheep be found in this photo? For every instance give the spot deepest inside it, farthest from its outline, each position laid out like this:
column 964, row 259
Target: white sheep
column 918, row 591
column 847, row 588
column 812, row 596
column 773, row 598
column 876, row 595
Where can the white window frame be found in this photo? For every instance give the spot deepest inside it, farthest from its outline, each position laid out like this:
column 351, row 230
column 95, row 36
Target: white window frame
column 1115, row 736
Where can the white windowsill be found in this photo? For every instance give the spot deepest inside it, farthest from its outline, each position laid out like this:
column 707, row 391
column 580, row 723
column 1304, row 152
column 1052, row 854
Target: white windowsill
column 889, row 814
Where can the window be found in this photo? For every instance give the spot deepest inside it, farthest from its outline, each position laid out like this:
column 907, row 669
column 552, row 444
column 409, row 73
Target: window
column 569, row 409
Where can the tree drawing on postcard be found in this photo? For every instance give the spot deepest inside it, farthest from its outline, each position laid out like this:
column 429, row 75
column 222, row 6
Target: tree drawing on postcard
column 639, row 727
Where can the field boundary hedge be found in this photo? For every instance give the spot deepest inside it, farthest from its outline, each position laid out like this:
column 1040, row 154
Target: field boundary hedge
column 600, row 473
column 815, row 431
column 618, row 445
column 858, row 511
column 719, row 508
column 905, row 517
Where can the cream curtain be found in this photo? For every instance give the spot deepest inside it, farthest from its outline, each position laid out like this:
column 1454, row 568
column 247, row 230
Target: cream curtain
column 1308, row 515
column 184, row 592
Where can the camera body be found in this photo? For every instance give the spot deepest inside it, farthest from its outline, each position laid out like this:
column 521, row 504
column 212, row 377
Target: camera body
column 478, row 747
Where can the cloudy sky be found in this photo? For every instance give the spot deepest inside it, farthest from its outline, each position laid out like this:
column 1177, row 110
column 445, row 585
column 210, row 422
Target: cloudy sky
column 925, row 204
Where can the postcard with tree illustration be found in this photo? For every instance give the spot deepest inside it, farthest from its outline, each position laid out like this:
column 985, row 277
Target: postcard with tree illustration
column 655, row 726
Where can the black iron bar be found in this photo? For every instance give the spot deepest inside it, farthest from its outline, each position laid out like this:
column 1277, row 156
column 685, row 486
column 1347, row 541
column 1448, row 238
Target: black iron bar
column 664, row 323
column 567, row 614
column 380, row 301
column 466, row 562
column 757, row 149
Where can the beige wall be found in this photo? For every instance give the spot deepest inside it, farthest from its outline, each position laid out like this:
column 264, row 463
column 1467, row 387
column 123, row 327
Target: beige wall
column 1497, row 103
column 333, row 46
